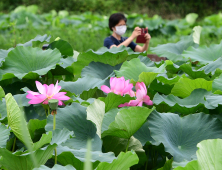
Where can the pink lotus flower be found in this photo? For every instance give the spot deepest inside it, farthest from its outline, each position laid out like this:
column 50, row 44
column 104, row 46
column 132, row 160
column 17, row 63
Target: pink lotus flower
column 141, row 96
column 46, row 93
column 119, row 86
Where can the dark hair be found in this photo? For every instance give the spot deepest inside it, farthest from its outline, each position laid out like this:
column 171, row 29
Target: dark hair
column 114, row 19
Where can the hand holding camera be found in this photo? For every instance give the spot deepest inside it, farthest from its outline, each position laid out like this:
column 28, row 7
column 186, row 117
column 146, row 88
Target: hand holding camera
column 144, row 37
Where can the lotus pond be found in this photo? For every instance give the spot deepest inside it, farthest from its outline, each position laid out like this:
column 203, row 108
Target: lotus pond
column 116, row 108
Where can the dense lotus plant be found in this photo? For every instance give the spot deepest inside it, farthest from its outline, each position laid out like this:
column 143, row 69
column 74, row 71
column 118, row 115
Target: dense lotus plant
column 187, row 101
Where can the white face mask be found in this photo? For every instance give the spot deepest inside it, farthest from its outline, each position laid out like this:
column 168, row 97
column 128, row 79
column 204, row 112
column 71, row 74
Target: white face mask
column 120, row 30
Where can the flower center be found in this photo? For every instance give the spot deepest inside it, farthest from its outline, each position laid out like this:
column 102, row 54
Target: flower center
column 49, row 97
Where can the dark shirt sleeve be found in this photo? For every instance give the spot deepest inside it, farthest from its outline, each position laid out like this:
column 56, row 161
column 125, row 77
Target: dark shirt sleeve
column 108, row 42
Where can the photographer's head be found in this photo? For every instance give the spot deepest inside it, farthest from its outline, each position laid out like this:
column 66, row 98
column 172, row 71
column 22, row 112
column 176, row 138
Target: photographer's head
column 117, row 23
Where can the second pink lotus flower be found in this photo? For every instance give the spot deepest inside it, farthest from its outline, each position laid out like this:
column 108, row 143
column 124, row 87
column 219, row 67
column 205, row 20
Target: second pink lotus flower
column 122, row 87
column 141, row 96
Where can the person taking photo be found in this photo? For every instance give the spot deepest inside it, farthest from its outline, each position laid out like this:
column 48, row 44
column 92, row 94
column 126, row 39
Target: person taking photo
column 117, row 24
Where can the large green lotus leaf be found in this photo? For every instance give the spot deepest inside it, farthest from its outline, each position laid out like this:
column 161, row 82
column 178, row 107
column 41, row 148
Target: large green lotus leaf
column 214, row 19
column 147, row 77
column 65, row 67
column 104, row 55
column 3, row 111
column 55, row 167
column 28, row 62
column 61, row 136
column 179, row 139
column 181, row 164
column 45, row 139
column 209, row 154
column 2, row 93
column 204, row 54
column 63, row 46
column 154, row 23
column 146, row 60
column 187, row 68
column 171, row 66
column 25, row 161
column 92, row 93
column 185, row 86
column 20, row 20
column 127, row 122
column 3, row 55
column 73, row 118
column 216, row 85
column 32, row 8
column 164, row 79
column 212, row 66
column 99, row 70
column 133, row 68
column 4, row 75
column 113, row 100
column 109, row 117
column 160, row 87
column 95, row 113
column 214, row 100
column 35, row 112
column 167, row 165
column 143, row 134
column 188, row 105
column 76, row 158
column 193, row 165
column 4, row 135
column 196, row 35
column 35, row 124
column 37, row 39
column 16, row 121
column 77, row 86
column 117, row 145
column 124, row 161
column 60, row 70
column 67, row 63
column 21, row 100
column 173, row 51
column 191, row 18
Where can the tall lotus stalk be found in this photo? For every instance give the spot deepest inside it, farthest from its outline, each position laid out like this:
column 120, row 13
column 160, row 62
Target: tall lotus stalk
column 53, row 104
column 48, row 95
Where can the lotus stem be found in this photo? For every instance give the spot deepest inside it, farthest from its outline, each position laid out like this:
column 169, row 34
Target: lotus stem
column 54, row 121
column 127, row 145
column 13, row 148
column 54, row 126
column 147, row 161
column 48, row 111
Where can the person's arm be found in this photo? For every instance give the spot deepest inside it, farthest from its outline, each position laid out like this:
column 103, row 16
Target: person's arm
column 138, row 48
column 136, row 32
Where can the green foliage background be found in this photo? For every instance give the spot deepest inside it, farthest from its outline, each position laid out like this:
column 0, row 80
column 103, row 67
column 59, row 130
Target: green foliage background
column 165, row 8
